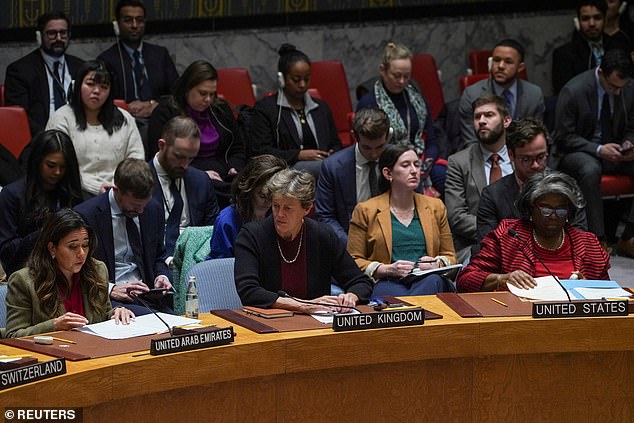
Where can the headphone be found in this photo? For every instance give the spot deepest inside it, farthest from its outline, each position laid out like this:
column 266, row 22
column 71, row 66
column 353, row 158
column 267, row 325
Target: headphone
column 280, row 80
column 38, row 37
column 115, row 29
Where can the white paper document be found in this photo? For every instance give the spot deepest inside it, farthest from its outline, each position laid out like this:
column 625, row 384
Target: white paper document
column 326, row 318
column 599, row 293
column 148, row 324
column 547, row 289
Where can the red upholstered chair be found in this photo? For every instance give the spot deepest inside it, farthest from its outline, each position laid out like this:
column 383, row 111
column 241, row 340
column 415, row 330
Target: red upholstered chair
column 15, row 134
column 234, row 85
column 425, row 72
column 119, row 102
column 329, row 78
column 313, row 92
column 479, row 63
column 1, row 95
column 467, row 80
column 617, row 186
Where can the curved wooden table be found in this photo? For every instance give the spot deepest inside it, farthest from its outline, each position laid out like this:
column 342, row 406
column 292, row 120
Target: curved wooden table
column 453, row 369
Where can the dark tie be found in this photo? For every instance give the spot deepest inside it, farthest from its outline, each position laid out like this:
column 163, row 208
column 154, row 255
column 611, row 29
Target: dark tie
column 134, row 239
column 496, row 170
column 508, row 96
column 143, row 87
column 58, row 89
column 173, row 221
column 374, row 182
column 606, row 120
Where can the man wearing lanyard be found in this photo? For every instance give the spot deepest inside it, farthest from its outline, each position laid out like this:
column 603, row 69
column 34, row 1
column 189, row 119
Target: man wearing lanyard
column 39, row 82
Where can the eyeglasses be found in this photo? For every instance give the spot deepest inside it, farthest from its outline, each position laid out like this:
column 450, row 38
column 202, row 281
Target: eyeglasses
column 528, row 160
column 51, row 34
column 548, row 211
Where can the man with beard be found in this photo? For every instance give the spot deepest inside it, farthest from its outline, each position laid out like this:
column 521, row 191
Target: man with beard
column 143, row 71
column 522, row 98
column 39, row 81
column 527, row 143
column 129, row 227
column 185, row 193
column 587, row 46
column 475, row 167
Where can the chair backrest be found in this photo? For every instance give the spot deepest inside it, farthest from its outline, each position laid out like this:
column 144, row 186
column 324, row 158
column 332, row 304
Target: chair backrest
column 3, row 307
column 15, row 133
column 234, row 85
column 329, row 77
column 467, row 80
column 216, row 285
column 479, row 63
column 425, row 72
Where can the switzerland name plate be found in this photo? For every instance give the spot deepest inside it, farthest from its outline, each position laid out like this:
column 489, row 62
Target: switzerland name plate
column 32, row 373
column 580, row 309
column 192, row 341
column 379, row 319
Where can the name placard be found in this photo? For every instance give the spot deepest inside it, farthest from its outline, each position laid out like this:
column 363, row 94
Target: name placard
column 32, row 373
column 192, row 341
column 377, row 320
column 580, row 309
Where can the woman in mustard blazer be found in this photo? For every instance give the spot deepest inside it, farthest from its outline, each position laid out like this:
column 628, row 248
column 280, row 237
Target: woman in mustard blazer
column 399, row 229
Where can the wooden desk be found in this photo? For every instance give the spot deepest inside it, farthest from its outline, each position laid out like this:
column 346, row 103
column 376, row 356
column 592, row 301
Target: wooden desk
column 453, row 369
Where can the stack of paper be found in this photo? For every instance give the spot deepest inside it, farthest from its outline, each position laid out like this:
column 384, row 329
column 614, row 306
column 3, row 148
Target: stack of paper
column 148, row 324
column 548, row 289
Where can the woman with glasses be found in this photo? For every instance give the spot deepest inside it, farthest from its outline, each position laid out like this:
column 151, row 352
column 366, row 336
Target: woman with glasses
column 539, row 242
column 410, row 118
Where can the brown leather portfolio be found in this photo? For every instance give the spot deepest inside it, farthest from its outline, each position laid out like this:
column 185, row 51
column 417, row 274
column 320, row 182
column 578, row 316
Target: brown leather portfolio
column 486, row 304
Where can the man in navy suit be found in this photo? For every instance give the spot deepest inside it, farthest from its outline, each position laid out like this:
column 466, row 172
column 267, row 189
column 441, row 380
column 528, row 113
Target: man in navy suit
column 186, row 194
column 143, row 71
column 129, row 226
column 351, row 176
column 39, row 81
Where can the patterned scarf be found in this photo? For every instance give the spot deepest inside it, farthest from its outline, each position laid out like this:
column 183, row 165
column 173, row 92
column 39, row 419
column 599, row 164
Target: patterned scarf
column 401, row 132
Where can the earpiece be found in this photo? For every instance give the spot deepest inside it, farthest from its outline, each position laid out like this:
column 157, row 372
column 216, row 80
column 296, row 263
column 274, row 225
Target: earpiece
column 115, row 28
column 71, row 88
column 38, row 38
column 622, row 7
column 575, row 20
column 390, row 134
column 489, row 63
column 280, row 80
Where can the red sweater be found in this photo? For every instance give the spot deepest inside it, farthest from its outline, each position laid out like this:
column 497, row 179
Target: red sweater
column 502, row 253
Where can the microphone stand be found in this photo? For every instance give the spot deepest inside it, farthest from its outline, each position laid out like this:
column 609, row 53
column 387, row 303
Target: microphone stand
column 172, row 330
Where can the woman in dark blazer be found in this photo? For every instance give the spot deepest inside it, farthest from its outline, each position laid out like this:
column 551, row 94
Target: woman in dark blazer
column 291, row 124
column 297, row 255
column 221, row 152
column 52, row 182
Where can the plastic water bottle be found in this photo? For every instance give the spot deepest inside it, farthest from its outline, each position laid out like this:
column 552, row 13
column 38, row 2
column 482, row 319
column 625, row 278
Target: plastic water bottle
column 191, row 299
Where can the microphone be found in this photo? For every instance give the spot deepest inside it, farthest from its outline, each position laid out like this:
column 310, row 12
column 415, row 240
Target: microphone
column 514, row 234
column 286, row 295
column 172, row 330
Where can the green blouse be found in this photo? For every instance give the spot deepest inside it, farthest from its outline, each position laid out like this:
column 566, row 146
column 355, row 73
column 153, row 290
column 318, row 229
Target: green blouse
column 408, row 242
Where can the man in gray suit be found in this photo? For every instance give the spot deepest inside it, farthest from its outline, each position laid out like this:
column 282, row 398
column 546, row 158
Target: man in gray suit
column 475, row 167
column 523, row 98
column 595, row 134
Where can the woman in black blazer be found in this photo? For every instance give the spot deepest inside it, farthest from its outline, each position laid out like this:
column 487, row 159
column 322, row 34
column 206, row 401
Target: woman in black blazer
column 291, row 124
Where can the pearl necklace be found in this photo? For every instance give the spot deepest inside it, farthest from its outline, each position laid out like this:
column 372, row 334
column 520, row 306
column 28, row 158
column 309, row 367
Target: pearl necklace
column 563, row 237
column 299, row 248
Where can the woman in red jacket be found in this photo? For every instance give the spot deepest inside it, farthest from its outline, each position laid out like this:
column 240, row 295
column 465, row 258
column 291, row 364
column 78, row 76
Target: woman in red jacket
column 510, row 254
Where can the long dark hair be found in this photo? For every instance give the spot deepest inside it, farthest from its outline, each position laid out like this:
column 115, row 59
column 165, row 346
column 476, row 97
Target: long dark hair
column 48, row 280
column 254, row 175
column 388, row 159
column 67, row 193
column 197, row 72
column 109, row 116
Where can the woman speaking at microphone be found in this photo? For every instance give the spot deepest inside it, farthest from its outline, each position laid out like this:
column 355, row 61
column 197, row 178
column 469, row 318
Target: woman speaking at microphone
column 62, row 287
column 538, row 243
column 292, row 253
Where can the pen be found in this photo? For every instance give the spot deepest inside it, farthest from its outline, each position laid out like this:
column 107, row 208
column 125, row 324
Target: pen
column 64, row 340
column 426, row 261
column 498, row 301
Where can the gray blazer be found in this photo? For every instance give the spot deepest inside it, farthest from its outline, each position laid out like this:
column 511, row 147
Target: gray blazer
column 530, row 103
column 465, row 181
column 576, row 116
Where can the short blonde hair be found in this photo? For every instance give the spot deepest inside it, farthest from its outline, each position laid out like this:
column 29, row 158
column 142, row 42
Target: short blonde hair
column 395, row 51
column 292, row 183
